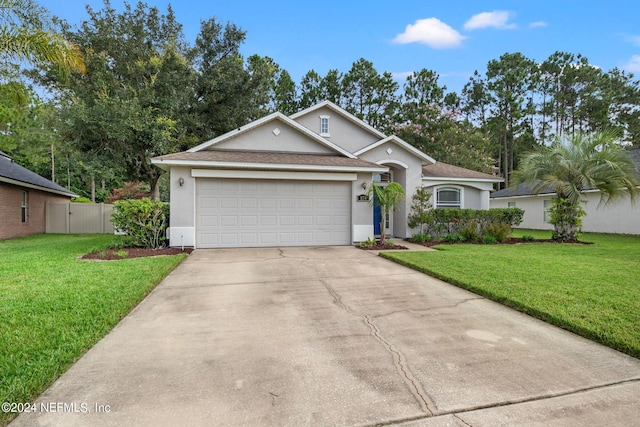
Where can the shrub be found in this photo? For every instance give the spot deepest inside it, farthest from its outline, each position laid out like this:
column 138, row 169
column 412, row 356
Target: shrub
column 566, row 218
column 453, row 238
column 498, row 231
column 420, row 214
column 420, row 238
column 470, row 224
column 489, row 240
column 528, row 238
column 369, row 243
column 144, row 221
column 81, row 200
column 469, row 231
column 130, row 190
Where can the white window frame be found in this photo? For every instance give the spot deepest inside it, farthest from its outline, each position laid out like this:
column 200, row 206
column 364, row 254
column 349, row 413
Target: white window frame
column 324, row 125
column 511, row 204
column 24, row 207
column 457, row 189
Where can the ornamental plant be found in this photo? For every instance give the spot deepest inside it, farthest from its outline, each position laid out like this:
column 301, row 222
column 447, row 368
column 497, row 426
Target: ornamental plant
column 144, row 221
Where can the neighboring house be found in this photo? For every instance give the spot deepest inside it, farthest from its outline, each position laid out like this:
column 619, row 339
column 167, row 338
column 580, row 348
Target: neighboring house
column 620, row 216
column 23, row 199
column 300, row 180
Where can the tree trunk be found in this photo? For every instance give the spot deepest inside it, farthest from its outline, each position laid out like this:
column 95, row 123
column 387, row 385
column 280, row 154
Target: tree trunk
column 383, row 221
column 93, row 188
column 155, row 189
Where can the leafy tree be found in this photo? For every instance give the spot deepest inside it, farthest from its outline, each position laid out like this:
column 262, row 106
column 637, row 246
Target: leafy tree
column 310, row 90
column 331, row 87
column 28, row 33
column 442, row 135
column 421, row 89
column 572, row 165
column 284, row 95
column 508, row 83
column 370, row 96
column 387, row 198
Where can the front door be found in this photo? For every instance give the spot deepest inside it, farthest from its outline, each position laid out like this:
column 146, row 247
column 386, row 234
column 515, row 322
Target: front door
column 377, row 219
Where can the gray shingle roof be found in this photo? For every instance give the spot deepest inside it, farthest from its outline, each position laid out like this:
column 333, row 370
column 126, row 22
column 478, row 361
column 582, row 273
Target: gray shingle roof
column 12, row 172
column 260, row 157
column 445, row 170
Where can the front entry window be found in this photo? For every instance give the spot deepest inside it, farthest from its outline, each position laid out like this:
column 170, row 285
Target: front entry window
column 448, row 197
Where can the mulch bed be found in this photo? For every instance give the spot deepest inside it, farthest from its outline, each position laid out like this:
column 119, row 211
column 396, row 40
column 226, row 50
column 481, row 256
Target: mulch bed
column 115, row 254
column 510, row 241
column 380, row 247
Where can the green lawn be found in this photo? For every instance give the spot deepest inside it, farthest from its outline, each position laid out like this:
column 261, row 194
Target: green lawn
column 54, row 308
column 592, row 290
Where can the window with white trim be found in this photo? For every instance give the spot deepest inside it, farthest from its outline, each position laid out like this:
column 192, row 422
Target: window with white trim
column 511, row 204
column 324, row 125
column 448, row 197
column 23, row 208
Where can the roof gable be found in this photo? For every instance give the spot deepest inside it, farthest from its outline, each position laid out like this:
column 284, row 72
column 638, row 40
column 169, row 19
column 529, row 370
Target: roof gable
column 342, row 112
column 405, row 145
column 13, row 173
column 278, row 133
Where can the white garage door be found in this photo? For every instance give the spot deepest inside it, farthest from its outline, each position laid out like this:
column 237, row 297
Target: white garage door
column 248, row 213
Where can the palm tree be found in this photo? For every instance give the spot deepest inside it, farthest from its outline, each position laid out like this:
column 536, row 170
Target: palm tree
column 572, row 165
column 387, row 198
column 27, row 34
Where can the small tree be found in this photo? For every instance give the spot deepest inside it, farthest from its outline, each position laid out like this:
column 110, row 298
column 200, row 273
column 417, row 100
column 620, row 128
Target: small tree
column 575, row 164
column 387, row 198
column 420, row 208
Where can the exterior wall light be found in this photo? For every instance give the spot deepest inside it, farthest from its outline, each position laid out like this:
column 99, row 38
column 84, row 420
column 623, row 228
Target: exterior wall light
column 181, row 181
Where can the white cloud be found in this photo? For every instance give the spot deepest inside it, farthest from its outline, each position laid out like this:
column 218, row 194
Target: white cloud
column 401, row 75
column 633, row 39
column 633, row 65
column 496, row 19
column 432, row 32
column 538, row 24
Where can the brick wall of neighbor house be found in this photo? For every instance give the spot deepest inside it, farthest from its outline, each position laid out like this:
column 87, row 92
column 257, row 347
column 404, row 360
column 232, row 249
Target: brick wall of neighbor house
column 11, row 211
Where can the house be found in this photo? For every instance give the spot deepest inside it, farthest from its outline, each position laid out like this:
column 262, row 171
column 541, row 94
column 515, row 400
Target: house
column 23, row 199
column 300, row 180
column 618, row 217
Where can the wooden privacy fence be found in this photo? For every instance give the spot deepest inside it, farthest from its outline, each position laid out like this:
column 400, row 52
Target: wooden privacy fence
column 79, row 218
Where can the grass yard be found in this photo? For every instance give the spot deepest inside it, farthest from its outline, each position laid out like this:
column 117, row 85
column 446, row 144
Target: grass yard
column 54, row 308
column 592, row 290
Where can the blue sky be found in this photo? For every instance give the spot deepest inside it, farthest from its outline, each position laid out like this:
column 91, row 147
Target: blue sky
column 452, row 38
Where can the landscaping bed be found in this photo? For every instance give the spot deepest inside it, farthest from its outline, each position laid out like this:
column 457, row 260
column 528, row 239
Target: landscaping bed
column 509, row 241
column 127, row 253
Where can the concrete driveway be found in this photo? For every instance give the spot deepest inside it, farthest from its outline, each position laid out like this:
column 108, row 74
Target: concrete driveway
column 334, row 336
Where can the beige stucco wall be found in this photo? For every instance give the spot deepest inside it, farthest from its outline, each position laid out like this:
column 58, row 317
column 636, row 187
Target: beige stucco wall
column 342, row 131
column 263, row 138
column 410, row 177
column 533, row 207
column 620, row 218
column 182, row 208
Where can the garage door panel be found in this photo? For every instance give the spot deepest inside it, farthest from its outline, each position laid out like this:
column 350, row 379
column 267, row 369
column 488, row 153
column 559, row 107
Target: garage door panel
column 228, row 221
column 268, row 220
column 270, row 213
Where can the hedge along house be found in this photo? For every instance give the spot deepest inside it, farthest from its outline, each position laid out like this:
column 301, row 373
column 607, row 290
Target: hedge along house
column 23, row 199
column 300, row 180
